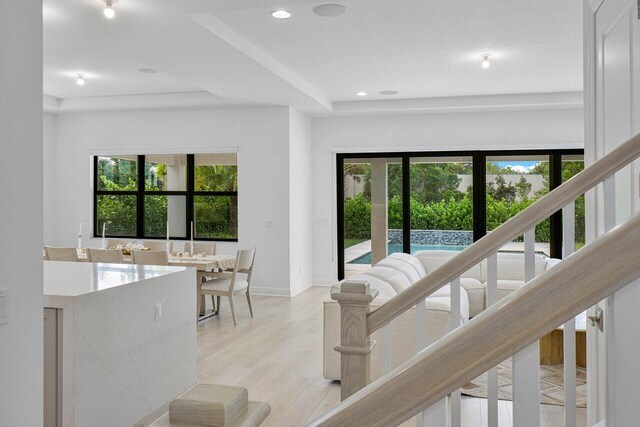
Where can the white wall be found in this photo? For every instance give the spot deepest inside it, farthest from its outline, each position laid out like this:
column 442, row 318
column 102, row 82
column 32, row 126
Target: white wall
column 300, row 188
column 49, row 171
column 21, row 350
column 261, row 136
column 414, row 132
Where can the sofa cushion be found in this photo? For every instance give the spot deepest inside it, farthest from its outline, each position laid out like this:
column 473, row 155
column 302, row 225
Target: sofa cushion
column 432, row 260
column 511, row 265
column 395, row 278
column 411, row 260
column 506, row 286
column 385, row 289
column 406, row 268
column 475, row 292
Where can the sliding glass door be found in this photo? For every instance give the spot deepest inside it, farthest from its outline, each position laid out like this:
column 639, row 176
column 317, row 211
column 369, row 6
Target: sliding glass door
column 409, row 202
column 371, row 219
column 441, row 203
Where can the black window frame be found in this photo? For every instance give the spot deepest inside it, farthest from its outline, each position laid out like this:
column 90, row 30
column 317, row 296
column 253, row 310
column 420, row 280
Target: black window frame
column 479, row 161
column 141, row 192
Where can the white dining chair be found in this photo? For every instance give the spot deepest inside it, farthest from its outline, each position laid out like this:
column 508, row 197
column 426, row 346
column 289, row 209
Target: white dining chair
column 202, row 247
column 150, row 257
column 112, row 256
column 52, row 253
column 226, row 284
column 157, row 245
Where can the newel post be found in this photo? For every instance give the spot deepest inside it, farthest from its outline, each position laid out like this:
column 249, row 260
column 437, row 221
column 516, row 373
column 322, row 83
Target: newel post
column 355, row 346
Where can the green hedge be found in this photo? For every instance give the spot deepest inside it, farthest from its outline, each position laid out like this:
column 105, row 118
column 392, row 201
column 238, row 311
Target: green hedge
column 451, row 214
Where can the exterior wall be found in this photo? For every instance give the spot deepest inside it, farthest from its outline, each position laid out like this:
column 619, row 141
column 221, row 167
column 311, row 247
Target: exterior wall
column 420, row 132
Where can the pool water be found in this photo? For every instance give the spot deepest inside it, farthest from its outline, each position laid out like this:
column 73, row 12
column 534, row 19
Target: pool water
column 395, row 247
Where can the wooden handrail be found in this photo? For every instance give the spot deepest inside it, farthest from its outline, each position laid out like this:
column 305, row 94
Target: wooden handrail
column 493, row 241
column 596, row 271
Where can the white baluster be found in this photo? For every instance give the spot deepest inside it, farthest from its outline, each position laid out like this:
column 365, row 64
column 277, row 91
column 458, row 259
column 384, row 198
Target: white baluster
column 435, row 415
column 492, row 374
column 526, row 363
column 569, row 333
column 421, row 342
column 454, row 324
column 609, row 190
column 385, row 348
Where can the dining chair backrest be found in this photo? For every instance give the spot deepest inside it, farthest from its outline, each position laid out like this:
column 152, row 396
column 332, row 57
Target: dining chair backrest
column 157, row 245
column 113, row 243
column 60, row 254
column 150, row 257
column 113, row 256
column 244, row 265
column 200, row 247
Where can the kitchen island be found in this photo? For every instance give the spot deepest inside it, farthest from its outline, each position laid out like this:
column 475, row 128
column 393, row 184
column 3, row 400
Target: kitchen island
column 123, row 343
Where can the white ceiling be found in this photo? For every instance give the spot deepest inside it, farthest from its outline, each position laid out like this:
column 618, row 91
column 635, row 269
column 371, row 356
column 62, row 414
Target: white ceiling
column 234, row 52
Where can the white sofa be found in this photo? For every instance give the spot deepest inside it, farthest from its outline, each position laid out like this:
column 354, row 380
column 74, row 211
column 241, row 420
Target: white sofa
column 399, row 271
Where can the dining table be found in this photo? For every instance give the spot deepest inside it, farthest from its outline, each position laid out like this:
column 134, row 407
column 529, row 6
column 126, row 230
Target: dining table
column 204, row 265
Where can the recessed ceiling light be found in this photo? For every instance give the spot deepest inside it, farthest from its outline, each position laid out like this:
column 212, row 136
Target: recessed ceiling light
column 281, row 14
column 108, row 9
column 361, row 93
column 388, row 92
column 80, row 80
column 147, row 70
column 330, row 10
column 485, row 60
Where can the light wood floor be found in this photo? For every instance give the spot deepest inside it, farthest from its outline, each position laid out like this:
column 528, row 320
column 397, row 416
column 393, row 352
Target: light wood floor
column 277, row 356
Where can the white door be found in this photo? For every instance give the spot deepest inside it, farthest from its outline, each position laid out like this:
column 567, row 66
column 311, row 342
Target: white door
column 612, row 101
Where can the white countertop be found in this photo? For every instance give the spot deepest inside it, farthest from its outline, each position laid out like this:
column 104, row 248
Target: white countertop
column 78, row 278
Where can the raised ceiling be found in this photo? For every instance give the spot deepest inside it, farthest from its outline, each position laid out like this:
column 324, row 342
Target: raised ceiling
column 231, row 52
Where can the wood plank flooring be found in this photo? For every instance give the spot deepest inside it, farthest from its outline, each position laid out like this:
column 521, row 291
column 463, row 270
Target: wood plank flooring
column 277, row 356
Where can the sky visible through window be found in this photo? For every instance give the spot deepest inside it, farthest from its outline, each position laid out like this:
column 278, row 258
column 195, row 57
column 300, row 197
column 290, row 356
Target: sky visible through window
column 518, row 166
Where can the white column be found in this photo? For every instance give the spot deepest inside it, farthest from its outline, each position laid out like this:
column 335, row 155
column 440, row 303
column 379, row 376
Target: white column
column 21, row 229
column 379, row 234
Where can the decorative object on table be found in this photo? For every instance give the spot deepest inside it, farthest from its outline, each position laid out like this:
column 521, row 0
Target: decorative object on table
column 129, row 247
column 52, row 253
column 80, row 239
column 228, row 283
column 104, row 239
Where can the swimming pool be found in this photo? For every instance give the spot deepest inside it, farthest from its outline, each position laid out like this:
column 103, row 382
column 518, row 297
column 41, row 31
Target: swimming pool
column 395, row 247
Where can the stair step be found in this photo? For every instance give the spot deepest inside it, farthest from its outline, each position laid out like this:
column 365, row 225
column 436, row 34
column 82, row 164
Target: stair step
column 252, row 416
column 209, row 405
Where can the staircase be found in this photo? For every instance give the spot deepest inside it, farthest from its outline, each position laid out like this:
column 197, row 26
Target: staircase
column 215, row 406
column 428, row 385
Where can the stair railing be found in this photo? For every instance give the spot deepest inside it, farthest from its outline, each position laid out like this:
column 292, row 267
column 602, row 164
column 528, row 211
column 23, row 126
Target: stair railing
column 358, row 322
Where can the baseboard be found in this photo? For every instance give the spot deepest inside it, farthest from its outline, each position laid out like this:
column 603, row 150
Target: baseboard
column 303, row 288
column 271, row 292
column 324, row 282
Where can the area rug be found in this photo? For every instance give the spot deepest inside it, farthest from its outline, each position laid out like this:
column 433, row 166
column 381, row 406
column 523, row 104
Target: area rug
column 551, row 385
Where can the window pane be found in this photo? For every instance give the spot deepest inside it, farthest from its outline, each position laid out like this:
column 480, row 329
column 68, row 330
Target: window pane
column 155, row 216
column 513, row 184
column 572, row 165
column 441, row 203
column 216, row 217
column 165, row 172
column 216, row 172
column 372, row 211
column 119, row 214
column 117, row 173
